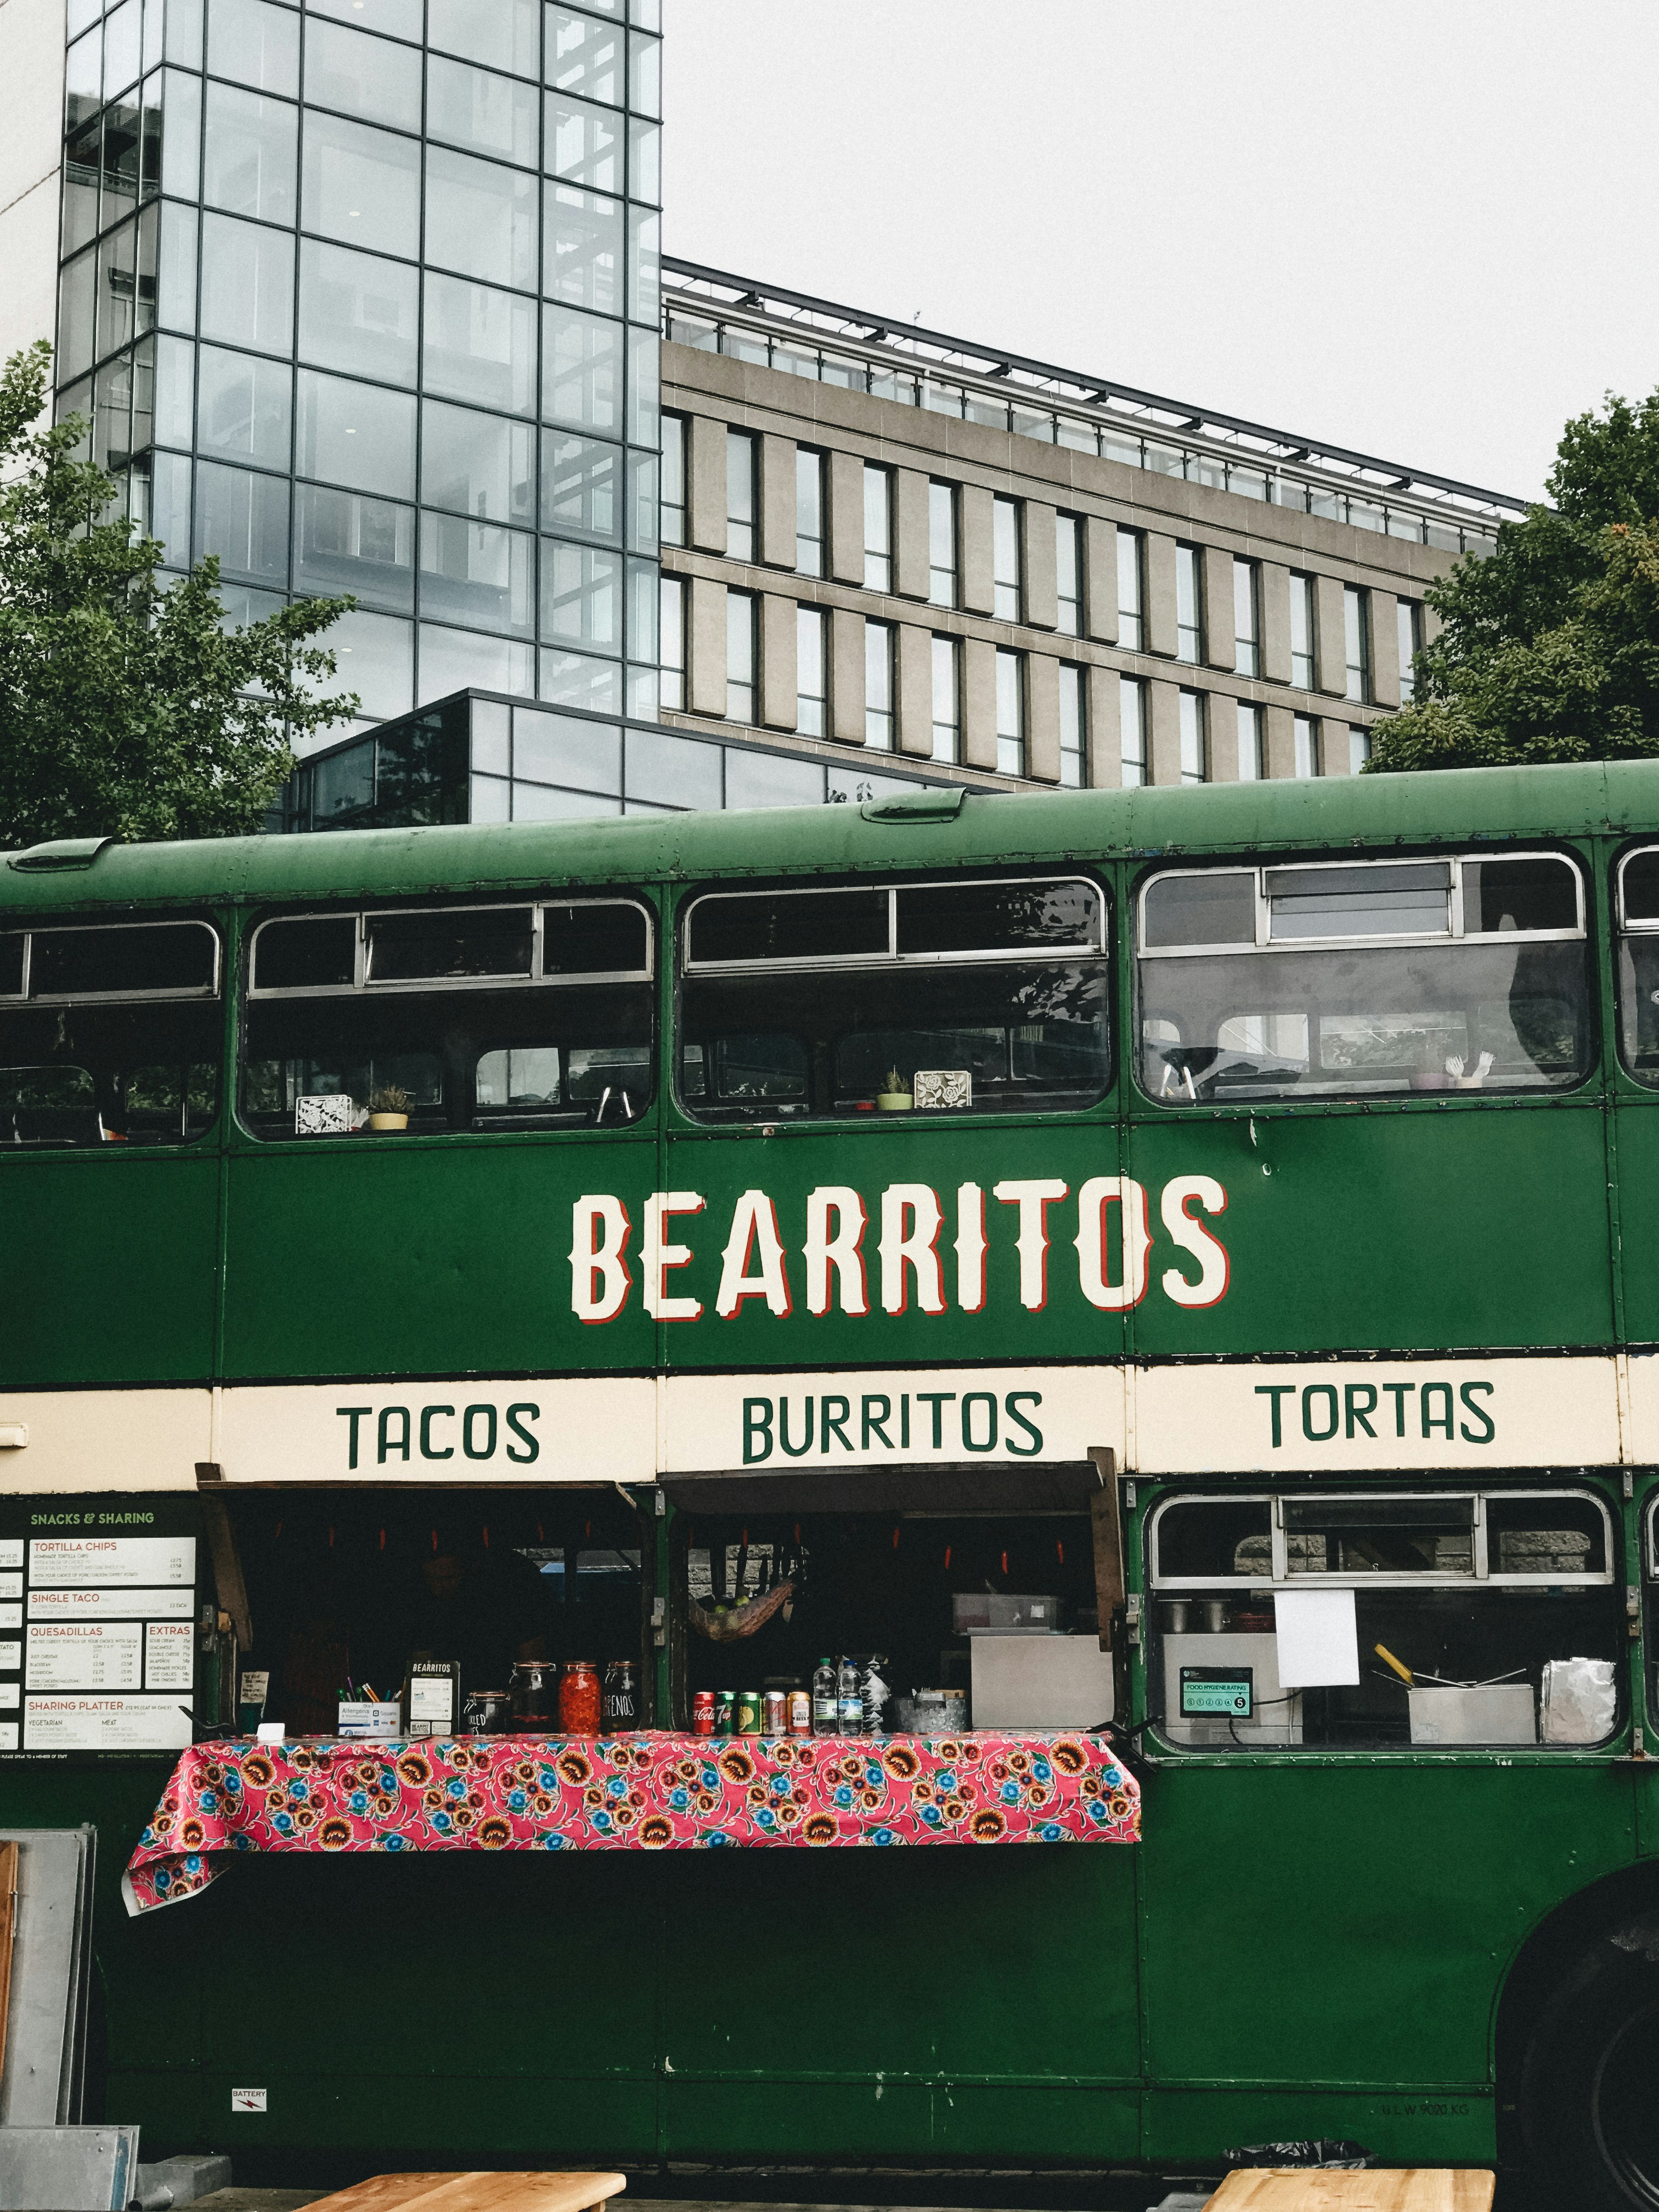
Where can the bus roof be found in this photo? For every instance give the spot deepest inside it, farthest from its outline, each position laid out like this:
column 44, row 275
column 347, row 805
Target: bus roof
column 925, row 829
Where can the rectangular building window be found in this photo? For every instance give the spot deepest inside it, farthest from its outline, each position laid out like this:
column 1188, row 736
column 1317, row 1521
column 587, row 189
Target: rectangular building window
column 809, row 511
column 1306, row 746
column 1132, row 725
column 1130, row 595
column 1251, row 767
column 1359, row 748
column 1357, row 637
column 1073, row 726
column 1068, row 574
column 812, row 671
column 1409, row 616
column 673, row 479
column 877, row 529
column 1302, row 632
column 947, row 700
column 740, row 500
column 1195, row 748
column 879, row 640
column 742, row 655
column 942, row 567
column 1004, row 560
column 1190, row 605
column 671, row 630
column 1247, row 619
column 1011, row 713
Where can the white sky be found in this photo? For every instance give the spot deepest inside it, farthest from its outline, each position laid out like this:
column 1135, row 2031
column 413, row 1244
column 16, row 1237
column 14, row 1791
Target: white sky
column 1426, row 230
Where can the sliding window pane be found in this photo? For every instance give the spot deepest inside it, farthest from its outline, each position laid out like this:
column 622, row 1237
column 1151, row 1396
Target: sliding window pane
column 582, row 487
column 742, row 655
column 1129, row 591
column 480, row 219
column 1194, row 739
column 879, row 640
column 365, row 76
column 361, row 185
column 344, row 542
column 473, row 107
column 584, row 56
column 1132, row 728
column 358, row 313
column 248, row 158
column 357, row 434
column 582, row 371
column 475, row 573
column 247, row 284
column 947, row 699
column 480, row 344
column 582, row 248
column 941, row 544
column 584, row 145
column 477, row 464
column 812, row 672
column 1074, row 726
column 242, row 408
column 1251, row 764
column 503, row 34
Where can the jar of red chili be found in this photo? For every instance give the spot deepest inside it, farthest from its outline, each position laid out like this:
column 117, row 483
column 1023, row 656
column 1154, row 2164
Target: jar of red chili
column 578, row 1697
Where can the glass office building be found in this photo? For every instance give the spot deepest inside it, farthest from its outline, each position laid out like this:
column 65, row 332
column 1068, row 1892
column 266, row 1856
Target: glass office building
column 363, row 296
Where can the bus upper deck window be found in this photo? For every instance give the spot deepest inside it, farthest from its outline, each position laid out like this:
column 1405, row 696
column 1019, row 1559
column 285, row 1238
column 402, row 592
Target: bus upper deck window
column 1638, row 964
column 109, row 1034
column 1362, row 977
column 497, row 1016
column 980, row 995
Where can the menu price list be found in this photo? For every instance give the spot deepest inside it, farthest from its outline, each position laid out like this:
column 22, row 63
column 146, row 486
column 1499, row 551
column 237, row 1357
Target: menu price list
column 97, row 1628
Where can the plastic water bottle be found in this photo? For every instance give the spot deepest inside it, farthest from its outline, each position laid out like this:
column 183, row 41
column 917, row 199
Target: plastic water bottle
column 849, row 1699
column 823, row 1699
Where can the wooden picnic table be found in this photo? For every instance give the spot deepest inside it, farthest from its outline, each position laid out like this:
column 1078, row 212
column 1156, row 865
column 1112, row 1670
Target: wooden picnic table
column 1401, row 2189
column 476, row 2192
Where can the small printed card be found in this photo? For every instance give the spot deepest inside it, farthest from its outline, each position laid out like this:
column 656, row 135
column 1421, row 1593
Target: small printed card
column 943, row 1087
column 328, row 1115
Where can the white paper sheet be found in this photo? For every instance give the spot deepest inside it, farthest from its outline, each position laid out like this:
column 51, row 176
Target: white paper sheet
column 1318, row 1639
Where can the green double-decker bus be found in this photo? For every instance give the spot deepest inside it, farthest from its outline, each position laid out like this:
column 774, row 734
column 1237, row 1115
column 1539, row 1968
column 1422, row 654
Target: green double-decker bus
column 1251, row 1191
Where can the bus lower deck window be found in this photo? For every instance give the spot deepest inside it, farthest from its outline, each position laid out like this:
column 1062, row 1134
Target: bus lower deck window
column 1363, row 978
column 968, row 996
column 1463, row 1619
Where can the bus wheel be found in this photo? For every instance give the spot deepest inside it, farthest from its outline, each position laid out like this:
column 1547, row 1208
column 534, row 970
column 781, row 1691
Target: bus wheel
column 1589, row 2108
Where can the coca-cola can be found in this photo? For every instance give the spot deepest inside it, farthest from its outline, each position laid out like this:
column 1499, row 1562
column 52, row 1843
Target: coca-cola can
column 702, row 1712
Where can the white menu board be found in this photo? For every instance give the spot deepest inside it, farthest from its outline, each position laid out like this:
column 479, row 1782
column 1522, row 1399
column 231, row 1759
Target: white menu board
column 94, row 1723
column 12, row 1658
column 170, row 1656
column 110, row 1562
column 105, row 1605
column 11, row 1551
column 86, row 1654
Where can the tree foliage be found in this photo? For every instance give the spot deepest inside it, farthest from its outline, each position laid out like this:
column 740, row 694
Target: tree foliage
column 1550, row 648
column 128, row 708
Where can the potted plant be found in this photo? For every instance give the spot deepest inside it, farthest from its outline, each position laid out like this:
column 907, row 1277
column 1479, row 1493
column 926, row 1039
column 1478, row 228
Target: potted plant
column 388, row 1107
column 896, row 1096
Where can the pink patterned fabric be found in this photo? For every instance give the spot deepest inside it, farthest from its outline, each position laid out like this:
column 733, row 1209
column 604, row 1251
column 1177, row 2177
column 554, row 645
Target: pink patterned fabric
column 645, row 1792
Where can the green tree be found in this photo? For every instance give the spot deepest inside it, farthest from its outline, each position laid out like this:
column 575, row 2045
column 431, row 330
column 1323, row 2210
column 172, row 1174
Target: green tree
column 127, row 709
column 1550, row 648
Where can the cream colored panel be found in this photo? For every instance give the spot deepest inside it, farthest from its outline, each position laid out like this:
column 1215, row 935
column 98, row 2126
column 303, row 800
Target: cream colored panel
column 104, row 1439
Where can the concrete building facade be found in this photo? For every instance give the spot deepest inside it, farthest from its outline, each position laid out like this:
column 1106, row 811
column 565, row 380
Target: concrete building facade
column 893, row 541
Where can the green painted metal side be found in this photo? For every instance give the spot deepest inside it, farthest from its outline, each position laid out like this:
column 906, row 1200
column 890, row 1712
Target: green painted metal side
column 1301, row 1945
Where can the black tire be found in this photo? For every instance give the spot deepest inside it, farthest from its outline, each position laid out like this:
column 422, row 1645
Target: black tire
column 1589, row 2087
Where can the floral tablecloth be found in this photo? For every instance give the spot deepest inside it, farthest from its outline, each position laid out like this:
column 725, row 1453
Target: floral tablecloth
column 644, row 1792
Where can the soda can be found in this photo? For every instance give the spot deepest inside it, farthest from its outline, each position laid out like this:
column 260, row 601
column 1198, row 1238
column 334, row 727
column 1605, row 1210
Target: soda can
column 750, row 1712
column 801, row 1712
column 725, row 1713
column 702, row 1712
column 777, row 1712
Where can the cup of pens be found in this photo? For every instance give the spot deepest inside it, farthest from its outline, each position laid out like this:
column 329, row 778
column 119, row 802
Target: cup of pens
column 364, row 1713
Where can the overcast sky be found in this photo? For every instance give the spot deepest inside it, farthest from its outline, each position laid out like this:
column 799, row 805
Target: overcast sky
column 1427, row 229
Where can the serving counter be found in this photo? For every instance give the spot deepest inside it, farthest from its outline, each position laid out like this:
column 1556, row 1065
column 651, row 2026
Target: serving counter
column 650, row 1791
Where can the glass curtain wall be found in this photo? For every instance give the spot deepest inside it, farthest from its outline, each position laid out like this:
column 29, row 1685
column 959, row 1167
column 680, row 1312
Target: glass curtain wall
column 363, row 297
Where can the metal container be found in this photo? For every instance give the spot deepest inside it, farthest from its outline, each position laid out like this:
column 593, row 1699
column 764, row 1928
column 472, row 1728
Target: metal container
column 749, row 1713
column 776, row 1712
column 1212, row 1615
column 932, row 1712
column 1177, row 1616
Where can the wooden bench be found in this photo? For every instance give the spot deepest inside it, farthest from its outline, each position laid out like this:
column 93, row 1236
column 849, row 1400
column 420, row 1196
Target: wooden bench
column 1403, row 2189
column 478, row 2192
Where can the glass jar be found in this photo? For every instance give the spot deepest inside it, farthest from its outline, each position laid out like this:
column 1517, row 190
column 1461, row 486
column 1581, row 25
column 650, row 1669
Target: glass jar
column 578, row 1697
